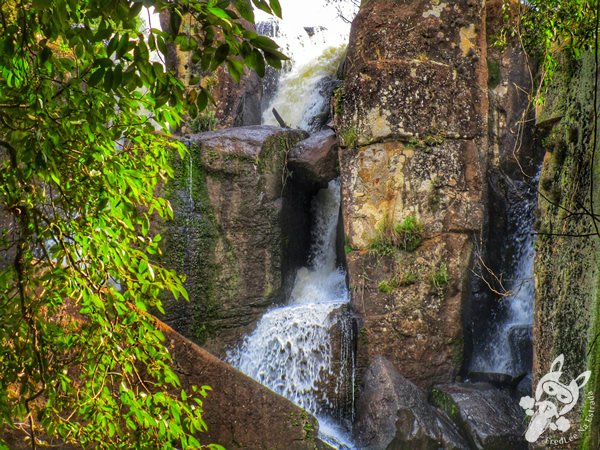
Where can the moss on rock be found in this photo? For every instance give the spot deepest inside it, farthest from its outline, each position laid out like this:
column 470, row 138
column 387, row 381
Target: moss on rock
column 568, row 251
column 226, row 235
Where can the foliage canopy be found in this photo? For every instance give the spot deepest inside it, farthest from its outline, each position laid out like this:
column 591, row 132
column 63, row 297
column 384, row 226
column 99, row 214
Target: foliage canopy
column 85, row 119
column 548, row 28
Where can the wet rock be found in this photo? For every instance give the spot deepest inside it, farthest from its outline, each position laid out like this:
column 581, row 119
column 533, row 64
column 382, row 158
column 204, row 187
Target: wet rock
column 525, row 386
column 239, row 412
column 312, row 30
column 338, row 385
column 393, row 413
column 325, row 86
column 500, row 380
column 489, row 417
column 313, row 161
column 226, row 235
column 520, row 338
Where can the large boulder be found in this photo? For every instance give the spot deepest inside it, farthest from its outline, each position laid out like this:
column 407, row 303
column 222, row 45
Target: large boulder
column 239, row 412
column 411, row 116
column 314, row 161
column 489, row 417
column 393, row 413
column 227, row 235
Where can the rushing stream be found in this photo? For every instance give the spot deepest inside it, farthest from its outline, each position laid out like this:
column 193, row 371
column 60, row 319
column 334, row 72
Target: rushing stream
column 291, row 351
column 301, row 92
column 303, row 350
column 505, row 349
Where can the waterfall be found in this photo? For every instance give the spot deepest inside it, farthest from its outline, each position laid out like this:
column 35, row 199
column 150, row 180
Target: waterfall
column 304, row 92
column 291, row 350
column 304, row 350
column 316, row 49
column 509, row 339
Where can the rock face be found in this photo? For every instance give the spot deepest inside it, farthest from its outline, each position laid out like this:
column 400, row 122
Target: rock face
column 489, row 417
column 228, row 235
column 239, row 412
column 567, row 274
column 520, row 346
column 393, row 413
column 314, row 161
column 236, row 104
column 412, row 120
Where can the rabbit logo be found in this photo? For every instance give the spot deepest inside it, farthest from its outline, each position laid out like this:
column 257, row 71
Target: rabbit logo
column 553, row 400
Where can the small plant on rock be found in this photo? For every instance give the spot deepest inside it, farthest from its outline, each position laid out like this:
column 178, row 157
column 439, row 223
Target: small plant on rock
column 383, row 242
column 439, row 278
column 409, row 233
column 386, row 287
column 407, row 278
column 406, row 235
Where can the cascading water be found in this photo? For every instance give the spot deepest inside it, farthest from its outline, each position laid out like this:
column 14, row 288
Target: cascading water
column 291, row 351
column 304, row 349
column 315, row 51
column 304, row 92
column 510, row 335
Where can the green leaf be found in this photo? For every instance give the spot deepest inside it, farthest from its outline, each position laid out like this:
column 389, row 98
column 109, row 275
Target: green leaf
column 135, row 10
column 274, row 58
column 262, row 5
column 218, row 12
column 175, row 21
column 202, row 100
column 112, row 45
column 257, row 62
column 276, row 7
column 245, row 9
column 220, row 56
column 42, row 4
column 264, row 43
column 123, row 46
column 235, row 69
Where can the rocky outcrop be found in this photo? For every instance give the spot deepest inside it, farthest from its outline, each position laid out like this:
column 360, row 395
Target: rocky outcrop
column 412, row 121
column 314, row 161
column 228, row 235
column 393, row 413
column 238, row 104
column 567, row 274
column 490, row 418
column 239, row 412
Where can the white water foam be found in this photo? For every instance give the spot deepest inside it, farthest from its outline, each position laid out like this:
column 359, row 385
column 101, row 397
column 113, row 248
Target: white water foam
column 290, row 351
column 315, row 43
column 302, row 94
